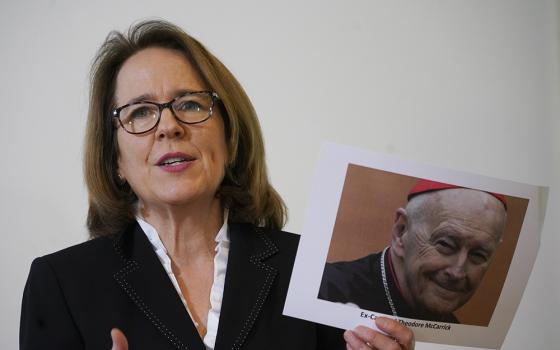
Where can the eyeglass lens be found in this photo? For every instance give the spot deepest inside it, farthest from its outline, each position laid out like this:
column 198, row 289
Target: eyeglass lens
column 190, row 108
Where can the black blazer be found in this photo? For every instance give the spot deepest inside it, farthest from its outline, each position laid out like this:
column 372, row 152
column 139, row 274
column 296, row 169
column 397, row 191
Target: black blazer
column 74, row 297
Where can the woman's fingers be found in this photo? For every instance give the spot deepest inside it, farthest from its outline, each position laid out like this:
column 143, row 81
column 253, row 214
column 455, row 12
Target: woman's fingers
column 355, row 342
column 402, row 334
column 119, row 340
column 365, row 338
column 398, row 337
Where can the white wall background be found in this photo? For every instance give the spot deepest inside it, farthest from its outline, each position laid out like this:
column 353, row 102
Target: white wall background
column 470, row 85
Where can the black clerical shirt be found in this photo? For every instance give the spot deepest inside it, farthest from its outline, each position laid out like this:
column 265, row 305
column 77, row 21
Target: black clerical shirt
column 360, row 282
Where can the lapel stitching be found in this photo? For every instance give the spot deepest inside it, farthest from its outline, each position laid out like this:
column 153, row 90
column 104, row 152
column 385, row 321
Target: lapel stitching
column 120, row 277
column 271, row 272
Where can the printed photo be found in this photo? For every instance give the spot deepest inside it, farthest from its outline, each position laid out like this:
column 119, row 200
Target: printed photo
column 446, row 252
column 420, row 249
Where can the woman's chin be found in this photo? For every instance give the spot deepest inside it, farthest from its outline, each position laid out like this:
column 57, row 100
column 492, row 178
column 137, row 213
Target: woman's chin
column 183, row 199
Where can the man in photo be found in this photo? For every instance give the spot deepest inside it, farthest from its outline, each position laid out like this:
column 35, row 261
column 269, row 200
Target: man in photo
column 442, row 243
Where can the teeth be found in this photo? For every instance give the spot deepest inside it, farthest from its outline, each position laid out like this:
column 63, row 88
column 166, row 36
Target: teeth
column 173, row 160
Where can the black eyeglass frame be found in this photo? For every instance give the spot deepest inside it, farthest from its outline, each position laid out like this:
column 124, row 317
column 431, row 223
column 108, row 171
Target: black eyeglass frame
column 161, row 106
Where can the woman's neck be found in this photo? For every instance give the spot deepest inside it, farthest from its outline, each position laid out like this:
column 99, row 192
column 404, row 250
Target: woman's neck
column 187, row 232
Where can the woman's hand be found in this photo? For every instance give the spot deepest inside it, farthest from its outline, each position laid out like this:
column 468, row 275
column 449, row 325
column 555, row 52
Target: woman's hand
column 363, row 338
column 119, row 340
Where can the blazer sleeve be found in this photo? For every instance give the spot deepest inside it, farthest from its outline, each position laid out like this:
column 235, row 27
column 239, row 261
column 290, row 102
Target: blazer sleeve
column 46, row 322
column 330, row 338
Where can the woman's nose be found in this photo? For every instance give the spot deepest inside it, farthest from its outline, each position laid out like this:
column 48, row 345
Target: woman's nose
column 169, row 126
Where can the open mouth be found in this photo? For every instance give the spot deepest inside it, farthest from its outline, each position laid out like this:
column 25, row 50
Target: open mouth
column 174, row 160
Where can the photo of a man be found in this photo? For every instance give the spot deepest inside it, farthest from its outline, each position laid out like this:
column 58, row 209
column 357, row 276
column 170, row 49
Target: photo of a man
column 442, row 242
column 446, row 252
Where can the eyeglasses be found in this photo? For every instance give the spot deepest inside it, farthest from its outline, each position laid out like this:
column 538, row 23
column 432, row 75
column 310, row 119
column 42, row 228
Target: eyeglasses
column 189, row 108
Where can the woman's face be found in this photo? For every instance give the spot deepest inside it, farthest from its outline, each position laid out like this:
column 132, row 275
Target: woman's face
column 196, row 154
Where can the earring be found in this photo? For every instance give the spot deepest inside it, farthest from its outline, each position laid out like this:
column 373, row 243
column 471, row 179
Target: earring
column 121, row 178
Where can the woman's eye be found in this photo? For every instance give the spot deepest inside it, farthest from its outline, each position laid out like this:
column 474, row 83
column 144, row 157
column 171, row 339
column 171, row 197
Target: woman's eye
column 141, row 112
column 189, row 106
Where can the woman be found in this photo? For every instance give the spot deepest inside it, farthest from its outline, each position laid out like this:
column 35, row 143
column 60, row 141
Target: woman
column 187, row 251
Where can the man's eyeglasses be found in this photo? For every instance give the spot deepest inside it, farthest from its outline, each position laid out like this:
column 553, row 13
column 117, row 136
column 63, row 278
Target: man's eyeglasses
column 189, row 108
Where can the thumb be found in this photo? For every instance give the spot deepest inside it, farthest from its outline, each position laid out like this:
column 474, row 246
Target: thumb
column 119, row 340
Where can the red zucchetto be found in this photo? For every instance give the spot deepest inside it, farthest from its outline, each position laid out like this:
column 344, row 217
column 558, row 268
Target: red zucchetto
column 424, row 186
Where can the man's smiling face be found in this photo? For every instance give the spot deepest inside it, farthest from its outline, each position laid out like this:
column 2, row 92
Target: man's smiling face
column 449, row 241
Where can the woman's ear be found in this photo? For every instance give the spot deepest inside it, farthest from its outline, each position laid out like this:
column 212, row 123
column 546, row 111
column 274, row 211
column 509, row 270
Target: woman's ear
column 120, row 176
column 398, row 232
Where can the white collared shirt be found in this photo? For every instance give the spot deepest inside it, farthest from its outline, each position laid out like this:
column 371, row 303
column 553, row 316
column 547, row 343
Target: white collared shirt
column 217, row 290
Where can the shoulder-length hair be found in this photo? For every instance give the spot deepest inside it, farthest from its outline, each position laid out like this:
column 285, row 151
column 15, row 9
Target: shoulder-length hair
column 245, row 189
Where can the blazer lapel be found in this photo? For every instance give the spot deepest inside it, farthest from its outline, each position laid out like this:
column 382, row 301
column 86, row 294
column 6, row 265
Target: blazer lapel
column 247, row 285
column 145, row 282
